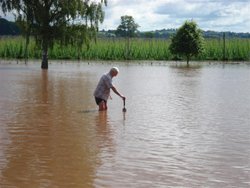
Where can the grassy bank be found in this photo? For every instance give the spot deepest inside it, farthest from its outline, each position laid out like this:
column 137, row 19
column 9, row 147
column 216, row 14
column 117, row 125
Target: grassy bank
column 122, row 49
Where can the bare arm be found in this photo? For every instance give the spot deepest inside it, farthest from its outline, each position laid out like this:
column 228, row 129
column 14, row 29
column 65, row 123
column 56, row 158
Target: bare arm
column 117, row 93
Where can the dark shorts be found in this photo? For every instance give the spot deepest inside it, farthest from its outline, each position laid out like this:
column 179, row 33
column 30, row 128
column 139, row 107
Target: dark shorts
column 98, row 100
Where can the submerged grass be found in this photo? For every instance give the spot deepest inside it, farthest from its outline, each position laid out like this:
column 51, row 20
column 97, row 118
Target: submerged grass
column 122, row 49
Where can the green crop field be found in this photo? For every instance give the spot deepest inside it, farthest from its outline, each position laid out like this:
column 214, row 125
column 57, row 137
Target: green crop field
column 236, row 49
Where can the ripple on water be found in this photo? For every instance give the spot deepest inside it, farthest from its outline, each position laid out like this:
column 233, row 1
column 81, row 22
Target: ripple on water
column 183, row 127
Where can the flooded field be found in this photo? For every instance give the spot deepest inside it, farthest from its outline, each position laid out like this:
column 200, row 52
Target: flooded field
column 184, row 127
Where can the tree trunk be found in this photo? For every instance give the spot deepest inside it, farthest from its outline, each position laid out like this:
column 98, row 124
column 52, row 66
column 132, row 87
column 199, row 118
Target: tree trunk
column 224, row 47
column 26, row 45
column 188, row 60
column 45, row 56
column 78, row 52
column 128, row 49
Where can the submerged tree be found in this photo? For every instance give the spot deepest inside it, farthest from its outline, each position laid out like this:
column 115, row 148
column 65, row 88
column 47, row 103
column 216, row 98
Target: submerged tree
column 188, row 41
column 67, row 21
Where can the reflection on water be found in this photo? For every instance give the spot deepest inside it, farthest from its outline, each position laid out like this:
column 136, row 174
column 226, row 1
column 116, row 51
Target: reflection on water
column 184, row 127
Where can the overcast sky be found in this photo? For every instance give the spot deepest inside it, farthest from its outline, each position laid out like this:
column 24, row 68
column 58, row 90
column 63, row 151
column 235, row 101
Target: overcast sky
column 216, row 15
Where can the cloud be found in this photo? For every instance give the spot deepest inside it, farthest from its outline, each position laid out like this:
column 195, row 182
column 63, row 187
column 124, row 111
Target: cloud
column 219, row 15
column 7, row 16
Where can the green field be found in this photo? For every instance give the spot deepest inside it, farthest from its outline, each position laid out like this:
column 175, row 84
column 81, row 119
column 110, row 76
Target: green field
column 121, row 49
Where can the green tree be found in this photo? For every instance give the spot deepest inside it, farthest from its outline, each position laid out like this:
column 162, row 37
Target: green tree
column 149, row 34
column 188, row 41
column 127, row 28
column 52, row 20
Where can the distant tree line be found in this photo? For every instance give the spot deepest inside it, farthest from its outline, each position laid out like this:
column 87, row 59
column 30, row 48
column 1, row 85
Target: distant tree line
column 11, row 28
column 128, row 28
column 167, row 33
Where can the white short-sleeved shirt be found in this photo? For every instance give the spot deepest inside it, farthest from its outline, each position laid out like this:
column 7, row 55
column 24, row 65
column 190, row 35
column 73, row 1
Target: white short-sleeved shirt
column 103, row 87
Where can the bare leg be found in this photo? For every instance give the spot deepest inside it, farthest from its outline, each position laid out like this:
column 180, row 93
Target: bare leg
column 102, row 106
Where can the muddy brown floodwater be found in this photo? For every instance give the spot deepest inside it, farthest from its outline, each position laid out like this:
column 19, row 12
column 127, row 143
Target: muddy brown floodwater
column 184, row 127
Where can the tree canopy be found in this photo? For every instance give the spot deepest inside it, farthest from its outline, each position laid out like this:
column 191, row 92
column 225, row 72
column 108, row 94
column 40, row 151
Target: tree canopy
column 127, row 28
column 67, row 21
column 188, row 41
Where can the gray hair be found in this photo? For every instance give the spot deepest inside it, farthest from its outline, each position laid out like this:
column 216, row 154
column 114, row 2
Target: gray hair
column 114, row 69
